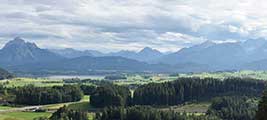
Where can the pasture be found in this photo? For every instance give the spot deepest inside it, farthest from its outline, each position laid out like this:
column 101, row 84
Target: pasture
column 133, row 79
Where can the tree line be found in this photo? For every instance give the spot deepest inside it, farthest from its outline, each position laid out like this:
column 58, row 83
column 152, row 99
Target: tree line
column 146, row 113
column 176, row 92
column 195, row 89
column 31, row 95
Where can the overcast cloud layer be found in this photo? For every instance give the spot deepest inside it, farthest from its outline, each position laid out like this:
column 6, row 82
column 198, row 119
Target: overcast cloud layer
column 111, row 25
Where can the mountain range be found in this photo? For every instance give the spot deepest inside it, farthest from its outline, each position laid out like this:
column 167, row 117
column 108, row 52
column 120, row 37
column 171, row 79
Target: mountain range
column 221, row 56
column 18, row 55
column 72, row 53
column 145, row 55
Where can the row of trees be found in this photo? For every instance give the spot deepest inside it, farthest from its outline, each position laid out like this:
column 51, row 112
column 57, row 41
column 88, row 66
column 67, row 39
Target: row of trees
column 176, row 92
column 115, row 77
column 145, row 113
column 64, row 113
column 233, row 108
column 195, row 89
column 31, row 95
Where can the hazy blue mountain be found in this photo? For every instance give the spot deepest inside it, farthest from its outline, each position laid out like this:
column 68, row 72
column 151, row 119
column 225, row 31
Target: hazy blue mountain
column 216, row 56
column 256, row 49
column 252, row 45
column 72, row 53
column 255, row 65
column 87, row 64
column 256, row 54
column 220, row 56
column 18, row 52
column 27, row 57
column 123, row 53
column 145, row 55
column 95, row 53
column 5, row 74
column 18, row 55
column 148, row 54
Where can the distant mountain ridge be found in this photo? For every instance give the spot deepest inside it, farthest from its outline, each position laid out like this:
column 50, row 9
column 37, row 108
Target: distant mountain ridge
column 18, row 52
column 18, row 55
column 105, row 64
column 220, row 56
column 71, row 53
column 87, row 64
column 145, row 55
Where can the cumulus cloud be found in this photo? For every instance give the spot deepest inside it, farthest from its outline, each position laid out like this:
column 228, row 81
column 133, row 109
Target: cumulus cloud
column 112, row 25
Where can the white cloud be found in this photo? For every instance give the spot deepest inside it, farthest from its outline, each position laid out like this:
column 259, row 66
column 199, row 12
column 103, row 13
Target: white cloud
column 180, row 38
column 110, row 25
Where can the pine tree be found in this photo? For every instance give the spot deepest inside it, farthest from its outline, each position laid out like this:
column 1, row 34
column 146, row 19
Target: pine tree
column 262, row 108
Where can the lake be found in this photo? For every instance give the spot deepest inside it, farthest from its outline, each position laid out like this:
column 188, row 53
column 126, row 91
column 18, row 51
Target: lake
column 74, row 76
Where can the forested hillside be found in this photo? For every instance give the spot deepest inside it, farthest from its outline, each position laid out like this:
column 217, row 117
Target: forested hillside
column 5, row 74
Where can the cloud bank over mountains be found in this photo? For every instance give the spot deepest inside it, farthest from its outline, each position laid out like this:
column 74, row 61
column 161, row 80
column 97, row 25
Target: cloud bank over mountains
column 112, row 25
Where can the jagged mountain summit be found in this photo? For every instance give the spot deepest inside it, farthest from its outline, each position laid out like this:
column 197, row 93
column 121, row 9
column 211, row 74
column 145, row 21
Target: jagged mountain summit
column 71, row 53
column 208, row 56
column 147, row 54
column 17, row 52
column 220, row 56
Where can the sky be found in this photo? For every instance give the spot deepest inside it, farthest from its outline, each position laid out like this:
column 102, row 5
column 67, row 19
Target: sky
column 113, row 25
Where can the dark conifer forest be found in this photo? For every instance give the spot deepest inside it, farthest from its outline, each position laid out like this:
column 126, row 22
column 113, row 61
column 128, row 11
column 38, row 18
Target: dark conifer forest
column 30, row 95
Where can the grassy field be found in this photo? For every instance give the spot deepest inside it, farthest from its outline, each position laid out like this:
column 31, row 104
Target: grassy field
column 43, row 82
column 139, row 79
column 243, row 74
column 158, row 78
column 81, row 105
column 23, row 115
column 35, row 81
column 5, row 107
column 53, row 107
column 194, row 108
